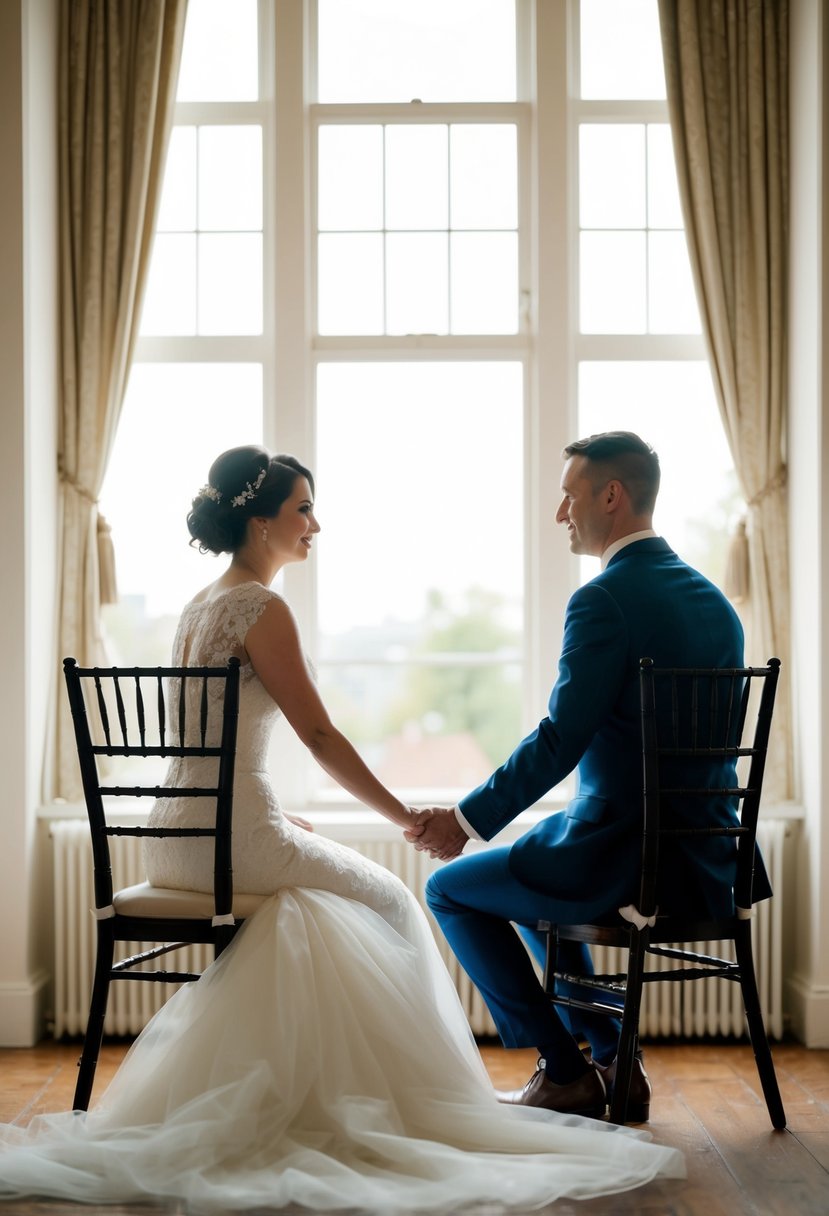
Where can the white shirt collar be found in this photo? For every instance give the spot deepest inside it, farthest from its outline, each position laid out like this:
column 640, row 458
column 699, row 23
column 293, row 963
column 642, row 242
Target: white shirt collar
column 618, row 545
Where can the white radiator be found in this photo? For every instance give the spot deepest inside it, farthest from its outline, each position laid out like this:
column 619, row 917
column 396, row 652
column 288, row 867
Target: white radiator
column 707, row 1007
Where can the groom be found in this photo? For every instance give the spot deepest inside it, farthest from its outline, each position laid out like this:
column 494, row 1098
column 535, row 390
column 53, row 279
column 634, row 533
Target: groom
column 582, row 863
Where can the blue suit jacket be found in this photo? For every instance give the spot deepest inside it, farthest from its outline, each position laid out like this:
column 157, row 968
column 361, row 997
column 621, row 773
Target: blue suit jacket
column 646, row 603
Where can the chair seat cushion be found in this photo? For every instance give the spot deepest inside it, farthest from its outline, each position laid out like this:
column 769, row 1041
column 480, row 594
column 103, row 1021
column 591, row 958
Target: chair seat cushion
column 144, row 900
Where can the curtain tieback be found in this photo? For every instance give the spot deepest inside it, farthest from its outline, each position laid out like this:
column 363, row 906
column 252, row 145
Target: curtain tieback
column 107, row 582
column 82, row 491
column 775, row 483
column 737, row 573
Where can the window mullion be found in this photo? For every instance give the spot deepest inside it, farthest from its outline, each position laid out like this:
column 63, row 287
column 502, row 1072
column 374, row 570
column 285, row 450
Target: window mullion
column 551, row 398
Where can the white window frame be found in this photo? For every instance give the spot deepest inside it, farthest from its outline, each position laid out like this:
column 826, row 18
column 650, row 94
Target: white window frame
column 549, row 345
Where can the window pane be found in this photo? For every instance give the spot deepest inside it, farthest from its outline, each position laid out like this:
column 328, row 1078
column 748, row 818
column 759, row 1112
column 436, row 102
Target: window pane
column 176, row 420
column 672, row 406
column 419, row 481
column 664, row 209
column 220, row 58
column 350, row 284
column 672, row 302
column 484, row 164
column 230, row 284
column 612, row 175
column 170, row 297
column 484, row 282
column 621, row 50
column 396, row 50
column 613, row 283
column 230, row 178
column 417, row 283
column 417, row 192
column 434, row 439
column 350, row 177
column 177, row 210
column 440, row 726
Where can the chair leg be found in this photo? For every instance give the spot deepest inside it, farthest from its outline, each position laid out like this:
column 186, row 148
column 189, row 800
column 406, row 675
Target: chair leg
column 629, row 1038
column 550, row 964
column 95, row 1024
column 224, row 936
column 756, row 1028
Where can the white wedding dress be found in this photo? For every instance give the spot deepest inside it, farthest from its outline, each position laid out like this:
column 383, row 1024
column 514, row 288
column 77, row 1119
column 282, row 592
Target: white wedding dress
column 324, row 1059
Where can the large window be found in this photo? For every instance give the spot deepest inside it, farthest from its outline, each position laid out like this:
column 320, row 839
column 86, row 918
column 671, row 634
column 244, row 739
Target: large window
column 411, row 244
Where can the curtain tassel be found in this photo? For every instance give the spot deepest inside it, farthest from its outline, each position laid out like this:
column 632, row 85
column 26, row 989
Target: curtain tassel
column 737, row 566
column 106, row 563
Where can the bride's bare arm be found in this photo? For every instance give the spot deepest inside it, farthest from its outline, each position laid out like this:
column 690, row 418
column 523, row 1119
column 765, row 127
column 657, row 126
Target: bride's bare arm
column 275, row 651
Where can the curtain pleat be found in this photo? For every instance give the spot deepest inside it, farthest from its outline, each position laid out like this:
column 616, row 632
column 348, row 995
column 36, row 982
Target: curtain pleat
column 726, row 70
column 119, row 64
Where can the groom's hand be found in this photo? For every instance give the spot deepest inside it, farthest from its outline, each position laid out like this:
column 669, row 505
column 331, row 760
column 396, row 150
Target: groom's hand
column 438, row 833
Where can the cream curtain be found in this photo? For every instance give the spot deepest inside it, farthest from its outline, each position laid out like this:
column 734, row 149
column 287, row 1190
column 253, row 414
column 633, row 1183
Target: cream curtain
column 726, row 67
column 118, row 69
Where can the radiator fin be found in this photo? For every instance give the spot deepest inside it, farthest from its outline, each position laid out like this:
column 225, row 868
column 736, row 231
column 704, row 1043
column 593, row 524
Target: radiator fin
column 707, row 1007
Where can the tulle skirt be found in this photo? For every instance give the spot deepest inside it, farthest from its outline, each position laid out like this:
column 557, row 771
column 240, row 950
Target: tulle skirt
column 323, row 1060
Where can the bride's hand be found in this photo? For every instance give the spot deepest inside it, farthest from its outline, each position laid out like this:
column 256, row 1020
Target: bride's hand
column 411, row 827
column 300, row 822
column 417, row 823
column 438, row 833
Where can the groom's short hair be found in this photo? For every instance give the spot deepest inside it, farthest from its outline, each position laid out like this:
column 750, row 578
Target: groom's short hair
column 626, row 457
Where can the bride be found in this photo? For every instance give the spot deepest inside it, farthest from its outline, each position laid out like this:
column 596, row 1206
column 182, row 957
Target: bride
column 324, row 1059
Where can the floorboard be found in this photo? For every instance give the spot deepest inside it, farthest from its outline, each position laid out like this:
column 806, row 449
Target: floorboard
column 707, row 1102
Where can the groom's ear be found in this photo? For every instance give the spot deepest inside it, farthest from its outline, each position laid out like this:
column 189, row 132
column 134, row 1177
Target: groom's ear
column 613, row 494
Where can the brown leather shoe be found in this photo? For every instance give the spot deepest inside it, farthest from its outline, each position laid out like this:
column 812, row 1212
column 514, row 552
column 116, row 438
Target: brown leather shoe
column 639, row 1095
column 585, row 1096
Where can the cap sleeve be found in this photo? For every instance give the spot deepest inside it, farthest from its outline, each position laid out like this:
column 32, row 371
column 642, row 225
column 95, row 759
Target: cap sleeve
column 246, row 605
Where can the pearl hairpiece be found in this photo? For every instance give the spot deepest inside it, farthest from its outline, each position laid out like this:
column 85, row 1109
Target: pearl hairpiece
column 250, row 491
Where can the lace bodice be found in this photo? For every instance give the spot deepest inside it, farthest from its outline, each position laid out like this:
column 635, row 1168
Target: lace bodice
column 209, row 633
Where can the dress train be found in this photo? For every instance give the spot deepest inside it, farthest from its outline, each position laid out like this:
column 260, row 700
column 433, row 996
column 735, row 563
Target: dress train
column 323, row 1060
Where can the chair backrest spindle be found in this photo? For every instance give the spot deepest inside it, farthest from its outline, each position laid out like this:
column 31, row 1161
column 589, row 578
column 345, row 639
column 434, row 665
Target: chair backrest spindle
column 139, row 712
column 203, row 711
column 122, row 713
column 161, row 710
column 182, row 711
column 102, row 709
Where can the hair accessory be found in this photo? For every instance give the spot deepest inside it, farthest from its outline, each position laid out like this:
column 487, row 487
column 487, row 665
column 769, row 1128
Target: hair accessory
column 211, row 492
column 250, row 491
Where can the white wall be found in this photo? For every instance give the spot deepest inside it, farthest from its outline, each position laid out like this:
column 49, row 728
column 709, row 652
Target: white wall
column 808, row 996
column 28, row 397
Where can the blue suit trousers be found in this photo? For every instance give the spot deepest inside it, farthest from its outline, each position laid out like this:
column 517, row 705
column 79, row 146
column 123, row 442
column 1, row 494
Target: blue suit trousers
column 477, row 902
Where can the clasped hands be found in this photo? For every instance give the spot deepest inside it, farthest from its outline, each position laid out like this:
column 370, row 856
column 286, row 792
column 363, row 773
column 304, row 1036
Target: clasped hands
column 436, row 831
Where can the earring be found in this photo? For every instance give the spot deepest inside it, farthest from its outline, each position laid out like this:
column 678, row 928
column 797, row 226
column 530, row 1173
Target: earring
column 264, row 536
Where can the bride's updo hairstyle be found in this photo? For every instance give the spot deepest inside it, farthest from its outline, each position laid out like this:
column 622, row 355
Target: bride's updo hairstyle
column 242, row 483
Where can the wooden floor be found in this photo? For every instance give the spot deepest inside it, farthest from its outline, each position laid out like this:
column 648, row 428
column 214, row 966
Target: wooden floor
column 706, row 1102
